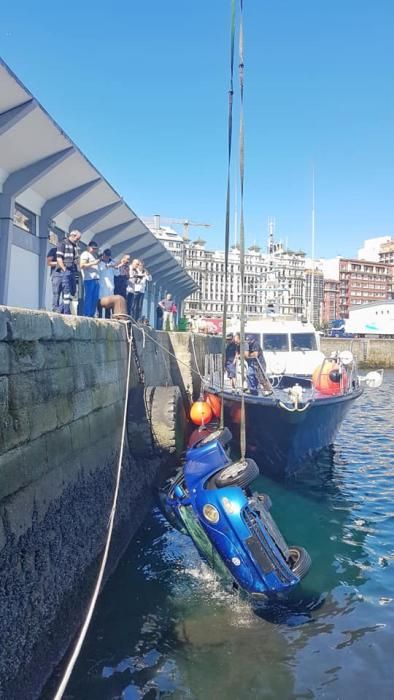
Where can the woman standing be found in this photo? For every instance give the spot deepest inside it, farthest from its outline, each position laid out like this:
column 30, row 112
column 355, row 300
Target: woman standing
column 130, row 285
column 123, row 276
column 141, row 278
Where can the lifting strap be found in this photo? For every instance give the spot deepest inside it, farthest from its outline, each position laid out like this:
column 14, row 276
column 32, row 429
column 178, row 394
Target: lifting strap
column 242, row 226
column 227, row 220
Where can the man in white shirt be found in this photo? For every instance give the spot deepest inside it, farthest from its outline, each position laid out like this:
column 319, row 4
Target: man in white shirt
column 89, row 264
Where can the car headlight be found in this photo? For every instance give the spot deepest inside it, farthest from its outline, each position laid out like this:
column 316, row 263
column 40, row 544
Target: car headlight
column 211, row 513
column 229, row 506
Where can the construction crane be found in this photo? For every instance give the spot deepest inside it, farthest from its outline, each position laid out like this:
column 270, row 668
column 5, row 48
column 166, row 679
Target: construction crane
column 157, row 220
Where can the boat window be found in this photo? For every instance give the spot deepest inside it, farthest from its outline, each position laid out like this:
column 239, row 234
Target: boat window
column 275, row 342
column 303, row 341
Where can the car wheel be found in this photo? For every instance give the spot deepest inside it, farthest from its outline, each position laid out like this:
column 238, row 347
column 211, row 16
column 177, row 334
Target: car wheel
column 223, row 435
column 300, row 561
column 240, row 473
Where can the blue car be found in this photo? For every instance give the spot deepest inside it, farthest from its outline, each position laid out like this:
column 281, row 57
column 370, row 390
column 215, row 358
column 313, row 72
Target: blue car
column 211, row 501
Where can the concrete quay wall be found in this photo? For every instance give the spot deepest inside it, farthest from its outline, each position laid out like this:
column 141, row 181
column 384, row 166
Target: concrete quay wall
column 369, row 352
column 62, row 384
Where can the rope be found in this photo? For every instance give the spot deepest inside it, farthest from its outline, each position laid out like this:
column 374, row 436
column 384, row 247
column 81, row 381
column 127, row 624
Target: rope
column 227, row 223
column 96, row 591
column 242, row 226
column 195, row 361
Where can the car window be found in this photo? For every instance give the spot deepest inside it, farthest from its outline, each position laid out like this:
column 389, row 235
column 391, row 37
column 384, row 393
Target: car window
column 275, row 342
column 303, row 341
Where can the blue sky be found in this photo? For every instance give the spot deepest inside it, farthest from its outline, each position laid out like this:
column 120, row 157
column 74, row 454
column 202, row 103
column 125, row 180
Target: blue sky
column 141, row 87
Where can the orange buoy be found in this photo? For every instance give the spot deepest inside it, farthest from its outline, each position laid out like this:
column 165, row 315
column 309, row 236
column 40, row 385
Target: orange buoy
column 214, row 403
column 201, row 413
column 329, row 378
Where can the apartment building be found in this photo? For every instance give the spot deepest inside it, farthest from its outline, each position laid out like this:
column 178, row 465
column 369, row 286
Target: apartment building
column 330, row 301
column 362, row 282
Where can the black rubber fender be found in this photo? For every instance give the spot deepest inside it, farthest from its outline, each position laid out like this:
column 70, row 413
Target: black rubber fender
column 167, row 418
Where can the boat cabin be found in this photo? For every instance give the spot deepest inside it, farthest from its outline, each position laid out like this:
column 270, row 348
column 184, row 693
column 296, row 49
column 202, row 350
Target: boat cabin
column 289, row 346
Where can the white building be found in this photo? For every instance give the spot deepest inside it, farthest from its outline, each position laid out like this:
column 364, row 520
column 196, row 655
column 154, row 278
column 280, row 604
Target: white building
column 371, row 248
column 276, row 279
column 373, row 319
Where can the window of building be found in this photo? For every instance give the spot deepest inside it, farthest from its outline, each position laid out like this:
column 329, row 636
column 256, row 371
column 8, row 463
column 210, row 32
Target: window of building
column 275, row 342
column 25, row 219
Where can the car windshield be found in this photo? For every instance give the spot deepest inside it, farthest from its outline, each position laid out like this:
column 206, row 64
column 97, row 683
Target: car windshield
column 275, row 342
column 303, row 341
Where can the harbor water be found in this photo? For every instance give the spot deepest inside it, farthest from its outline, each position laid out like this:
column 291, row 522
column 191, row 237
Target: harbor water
column 165, row 627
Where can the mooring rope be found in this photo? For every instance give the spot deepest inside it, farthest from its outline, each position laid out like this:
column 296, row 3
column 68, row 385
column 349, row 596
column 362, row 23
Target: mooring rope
column 81, row 637
column 227, row 221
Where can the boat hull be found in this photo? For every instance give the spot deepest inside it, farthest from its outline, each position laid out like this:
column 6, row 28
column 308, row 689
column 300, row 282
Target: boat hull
column 283, row 441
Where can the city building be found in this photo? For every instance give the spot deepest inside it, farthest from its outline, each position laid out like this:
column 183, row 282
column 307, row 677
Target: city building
column 330, row 301
column 314, row 280
column 362, row 282
column 48, row 185
column 371, row 248
column 274, row 279
column 386, row 252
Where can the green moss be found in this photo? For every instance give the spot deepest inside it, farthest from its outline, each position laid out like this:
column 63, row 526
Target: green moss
column 23, row 348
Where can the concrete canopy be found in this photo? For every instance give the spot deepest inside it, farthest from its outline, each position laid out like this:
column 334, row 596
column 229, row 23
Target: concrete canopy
column 37, row 158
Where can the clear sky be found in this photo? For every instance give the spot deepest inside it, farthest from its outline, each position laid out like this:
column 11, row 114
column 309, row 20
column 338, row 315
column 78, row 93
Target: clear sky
column 141, row 87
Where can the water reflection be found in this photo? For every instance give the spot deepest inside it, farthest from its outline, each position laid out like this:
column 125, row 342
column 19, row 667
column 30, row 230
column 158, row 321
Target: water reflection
column 165, row 627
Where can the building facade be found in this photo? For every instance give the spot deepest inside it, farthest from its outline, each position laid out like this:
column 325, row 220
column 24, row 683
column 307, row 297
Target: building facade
column 386, row 252
column 330, row 301
column 362, row 282
column 273, row 279
column 314, row 286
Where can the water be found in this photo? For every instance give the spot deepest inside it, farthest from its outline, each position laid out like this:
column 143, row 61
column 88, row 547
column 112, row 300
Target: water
column 165, row 628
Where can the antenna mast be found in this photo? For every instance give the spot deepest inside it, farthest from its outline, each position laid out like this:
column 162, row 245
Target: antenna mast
column 313, row 249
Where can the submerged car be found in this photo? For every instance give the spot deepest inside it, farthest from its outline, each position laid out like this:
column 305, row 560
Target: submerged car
column 210, row 500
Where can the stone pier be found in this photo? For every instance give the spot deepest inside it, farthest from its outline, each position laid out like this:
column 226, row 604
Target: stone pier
column 62, row 391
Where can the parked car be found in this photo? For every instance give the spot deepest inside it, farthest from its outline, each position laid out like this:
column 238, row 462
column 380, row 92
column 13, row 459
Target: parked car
column 211, row 500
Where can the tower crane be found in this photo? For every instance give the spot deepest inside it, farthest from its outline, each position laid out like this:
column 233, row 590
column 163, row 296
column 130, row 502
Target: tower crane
column 157, row 220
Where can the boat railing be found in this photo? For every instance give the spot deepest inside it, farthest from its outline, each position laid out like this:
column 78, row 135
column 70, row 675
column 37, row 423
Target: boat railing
column 213, row 369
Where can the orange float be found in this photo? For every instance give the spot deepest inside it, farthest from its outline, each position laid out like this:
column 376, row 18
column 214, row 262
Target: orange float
column 329, row 378
column 201, row 413
column 214, row 403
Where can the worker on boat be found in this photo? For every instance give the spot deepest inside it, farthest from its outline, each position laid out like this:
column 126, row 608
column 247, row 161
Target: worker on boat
column 232, row 351
column 256, row 375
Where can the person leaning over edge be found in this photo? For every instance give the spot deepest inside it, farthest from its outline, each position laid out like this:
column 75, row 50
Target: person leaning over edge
column 167, row 305
column 66, row 257
column 89, row 262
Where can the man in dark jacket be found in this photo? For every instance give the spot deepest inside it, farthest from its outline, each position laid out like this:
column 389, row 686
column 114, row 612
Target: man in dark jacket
column 67, row 257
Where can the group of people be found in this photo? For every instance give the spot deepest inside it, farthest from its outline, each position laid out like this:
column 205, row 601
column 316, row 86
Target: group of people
column 252, row 354
column 109, row 287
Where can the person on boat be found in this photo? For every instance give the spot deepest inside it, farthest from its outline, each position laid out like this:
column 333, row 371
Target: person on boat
column 256, row 367
column 232, row 351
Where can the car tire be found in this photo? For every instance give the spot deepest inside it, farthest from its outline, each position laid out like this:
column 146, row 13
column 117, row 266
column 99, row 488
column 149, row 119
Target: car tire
column 237, row 474
column 301, row 561
column 222, row 434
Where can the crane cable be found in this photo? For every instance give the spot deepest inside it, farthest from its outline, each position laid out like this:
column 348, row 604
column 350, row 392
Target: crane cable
column 227, row 220
column 242, row 229
column 82, row 634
